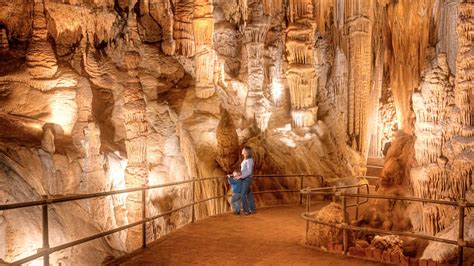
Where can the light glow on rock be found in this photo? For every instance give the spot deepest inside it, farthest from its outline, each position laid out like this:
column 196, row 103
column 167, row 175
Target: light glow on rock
column 277, row 91
column 63, row 112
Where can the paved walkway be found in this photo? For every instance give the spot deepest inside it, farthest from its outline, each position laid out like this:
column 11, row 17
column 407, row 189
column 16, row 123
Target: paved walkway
column 273, row 236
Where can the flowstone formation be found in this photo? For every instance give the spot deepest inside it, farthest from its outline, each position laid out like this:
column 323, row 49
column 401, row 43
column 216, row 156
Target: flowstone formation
column 105, row 95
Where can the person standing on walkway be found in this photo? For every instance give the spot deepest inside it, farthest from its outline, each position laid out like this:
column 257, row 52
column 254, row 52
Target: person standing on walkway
column 236, row 185
column 246, row 170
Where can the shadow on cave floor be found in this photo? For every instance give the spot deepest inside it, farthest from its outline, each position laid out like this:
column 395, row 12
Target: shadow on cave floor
column 273, row 236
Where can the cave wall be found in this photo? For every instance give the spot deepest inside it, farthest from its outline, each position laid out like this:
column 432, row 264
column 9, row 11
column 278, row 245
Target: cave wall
column 104, row 95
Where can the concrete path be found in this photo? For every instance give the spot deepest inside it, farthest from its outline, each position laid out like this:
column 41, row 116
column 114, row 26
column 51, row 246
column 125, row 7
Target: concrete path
column 273, row 236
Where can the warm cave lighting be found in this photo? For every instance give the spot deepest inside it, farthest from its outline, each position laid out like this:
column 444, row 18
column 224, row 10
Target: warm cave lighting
column 277, row 91
column 37, row 262
column 62, row 113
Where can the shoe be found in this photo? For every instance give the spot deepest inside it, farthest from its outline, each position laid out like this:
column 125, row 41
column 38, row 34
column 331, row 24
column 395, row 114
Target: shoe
column 253, row 212
column 246, row 213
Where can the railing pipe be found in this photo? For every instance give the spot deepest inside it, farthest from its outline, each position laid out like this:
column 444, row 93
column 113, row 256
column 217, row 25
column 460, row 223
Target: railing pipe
column 461, row 242
column 45, row 228
column 144, row 216
column 301, row 186
column 193, row 212
column 308, row 204
column 345, row 223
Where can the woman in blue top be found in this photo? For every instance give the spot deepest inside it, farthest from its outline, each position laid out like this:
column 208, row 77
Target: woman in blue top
column 246, row 170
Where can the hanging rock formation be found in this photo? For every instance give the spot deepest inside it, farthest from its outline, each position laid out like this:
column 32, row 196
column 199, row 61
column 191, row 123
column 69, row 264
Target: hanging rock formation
column 301, row 74
column 203, row 27
column 40, row 57
column 257, row 26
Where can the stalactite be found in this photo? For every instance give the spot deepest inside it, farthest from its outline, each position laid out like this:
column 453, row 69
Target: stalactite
column 256, row 104
column 447, row 32
column 359, row 33
column 272, row 7
column 3, row 40
column 161, row 11
column 301, row 73
column 203, row 27
column 409, row 24
column 183, row 28
column 464, row 62
column 40, row 57
column 276, row 87
column 136, row 173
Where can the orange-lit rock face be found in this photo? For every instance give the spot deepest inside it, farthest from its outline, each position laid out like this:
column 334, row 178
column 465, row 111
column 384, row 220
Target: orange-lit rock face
column 103, row 95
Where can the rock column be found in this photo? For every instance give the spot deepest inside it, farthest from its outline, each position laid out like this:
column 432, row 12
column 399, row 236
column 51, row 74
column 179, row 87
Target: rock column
column 136, row 173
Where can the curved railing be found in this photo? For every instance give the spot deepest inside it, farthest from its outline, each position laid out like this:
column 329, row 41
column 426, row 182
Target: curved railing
column 462, row 204
column 46, row 250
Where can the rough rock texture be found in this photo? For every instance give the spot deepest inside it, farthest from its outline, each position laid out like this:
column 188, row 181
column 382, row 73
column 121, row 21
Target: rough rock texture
column 103, row 95
column 322, row 235
column 390, row 243
column 448, row 253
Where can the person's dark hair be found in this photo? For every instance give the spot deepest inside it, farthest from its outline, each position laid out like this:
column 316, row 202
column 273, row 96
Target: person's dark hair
column 248, row 151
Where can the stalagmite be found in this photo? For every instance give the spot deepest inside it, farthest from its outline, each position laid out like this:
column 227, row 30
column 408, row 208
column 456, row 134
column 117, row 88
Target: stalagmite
column 445, row 172
column 136, row 173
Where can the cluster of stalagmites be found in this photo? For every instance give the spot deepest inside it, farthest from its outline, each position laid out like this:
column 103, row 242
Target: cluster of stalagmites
column 443, row 146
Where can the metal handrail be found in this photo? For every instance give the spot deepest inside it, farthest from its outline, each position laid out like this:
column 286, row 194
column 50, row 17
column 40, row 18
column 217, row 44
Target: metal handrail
column 461, row 204
column 46, row 250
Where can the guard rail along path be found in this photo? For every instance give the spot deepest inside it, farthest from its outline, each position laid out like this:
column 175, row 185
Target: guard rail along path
column 462, row 204
column 46, row 250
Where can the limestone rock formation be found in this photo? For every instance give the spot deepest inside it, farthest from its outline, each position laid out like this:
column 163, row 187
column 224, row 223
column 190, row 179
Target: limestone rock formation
column 322, row 235
column 104, row 95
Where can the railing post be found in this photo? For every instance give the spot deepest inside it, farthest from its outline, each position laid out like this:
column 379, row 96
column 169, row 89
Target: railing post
column 45, row 228
column 334, row 190
column 308, row 203
column 193, row 215
column 144, row 186
column 461, row 242
column 344, row 229
column 301, row 187
column 357, row 200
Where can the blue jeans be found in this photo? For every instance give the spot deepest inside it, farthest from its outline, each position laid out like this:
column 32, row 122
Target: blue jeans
column 247, row 196
column 235, row 201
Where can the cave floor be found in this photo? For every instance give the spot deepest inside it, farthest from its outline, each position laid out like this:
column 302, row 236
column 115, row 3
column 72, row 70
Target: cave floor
column 273, row 236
